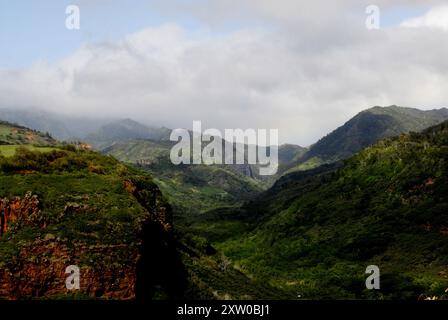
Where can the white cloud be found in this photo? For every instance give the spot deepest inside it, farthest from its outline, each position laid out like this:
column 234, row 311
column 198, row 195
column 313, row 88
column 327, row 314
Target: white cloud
column 435, row 18
column 303, row 79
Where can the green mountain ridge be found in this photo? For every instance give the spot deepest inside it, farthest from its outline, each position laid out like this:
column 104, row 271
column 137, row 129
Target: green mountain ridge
column 315, row 234
column 207, row 187
column 365, row 129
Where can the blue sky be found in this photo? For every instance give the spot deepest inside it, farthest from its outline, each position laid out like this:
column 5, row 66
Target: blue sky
column 397, row 14
column 35, row 30
column 32, row 31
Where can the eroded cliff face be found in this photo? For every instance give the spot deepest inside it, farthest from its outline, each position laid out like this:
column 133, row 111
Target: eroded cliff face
column 24, row 210
column 38, row 271
column 159, row 211
column 107, row 271
column 160, row 272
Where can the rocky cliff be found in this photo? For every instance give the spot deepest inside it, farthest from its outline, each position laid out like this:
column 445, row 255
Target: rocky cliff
column 109, row 271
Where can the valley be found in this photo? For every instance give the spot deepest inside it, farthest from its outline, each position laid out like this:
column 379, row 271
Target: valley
column 385, row 206
column 372, row 192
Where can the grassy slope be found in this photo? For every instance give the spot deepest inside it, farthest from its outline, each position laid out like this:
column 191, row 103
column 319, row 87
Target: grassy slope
column 10, row 150
column 387, row 206
column 11, row 134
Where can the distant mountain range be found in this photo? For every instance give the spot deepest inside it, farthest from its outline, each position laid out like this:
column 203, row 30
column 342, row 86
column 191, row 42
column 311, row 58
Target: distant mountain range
column 71, row 128
column 362, row 130
column 125, row 130
column 60, row 126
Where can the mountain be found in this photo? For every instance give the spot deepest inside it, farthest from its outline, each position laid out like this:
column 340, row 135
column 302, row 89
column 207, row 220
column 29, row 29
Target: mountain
column 365, row 129
column 63, row 206
column 289, row 154
column 314, row 233
column 191, row 189
column 62, row 127
column 138, row 149
column 124, row 130
column 99, row 131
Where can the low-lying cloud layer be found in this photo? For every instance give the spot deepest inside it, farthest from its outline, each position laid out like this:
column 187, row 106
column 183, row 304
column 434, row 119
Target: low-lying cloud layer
column 304, row 69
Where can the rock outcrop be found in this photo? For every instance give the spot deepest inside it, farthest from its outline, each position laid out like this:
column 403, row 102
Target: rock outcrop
column 39, row 270
column 162, row 214
column 24, row 209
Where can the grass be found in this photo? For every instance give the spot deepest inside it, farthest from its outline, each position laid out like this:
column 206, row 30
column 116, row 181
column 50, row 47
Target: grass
column 314, row 162
column 10, row 150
